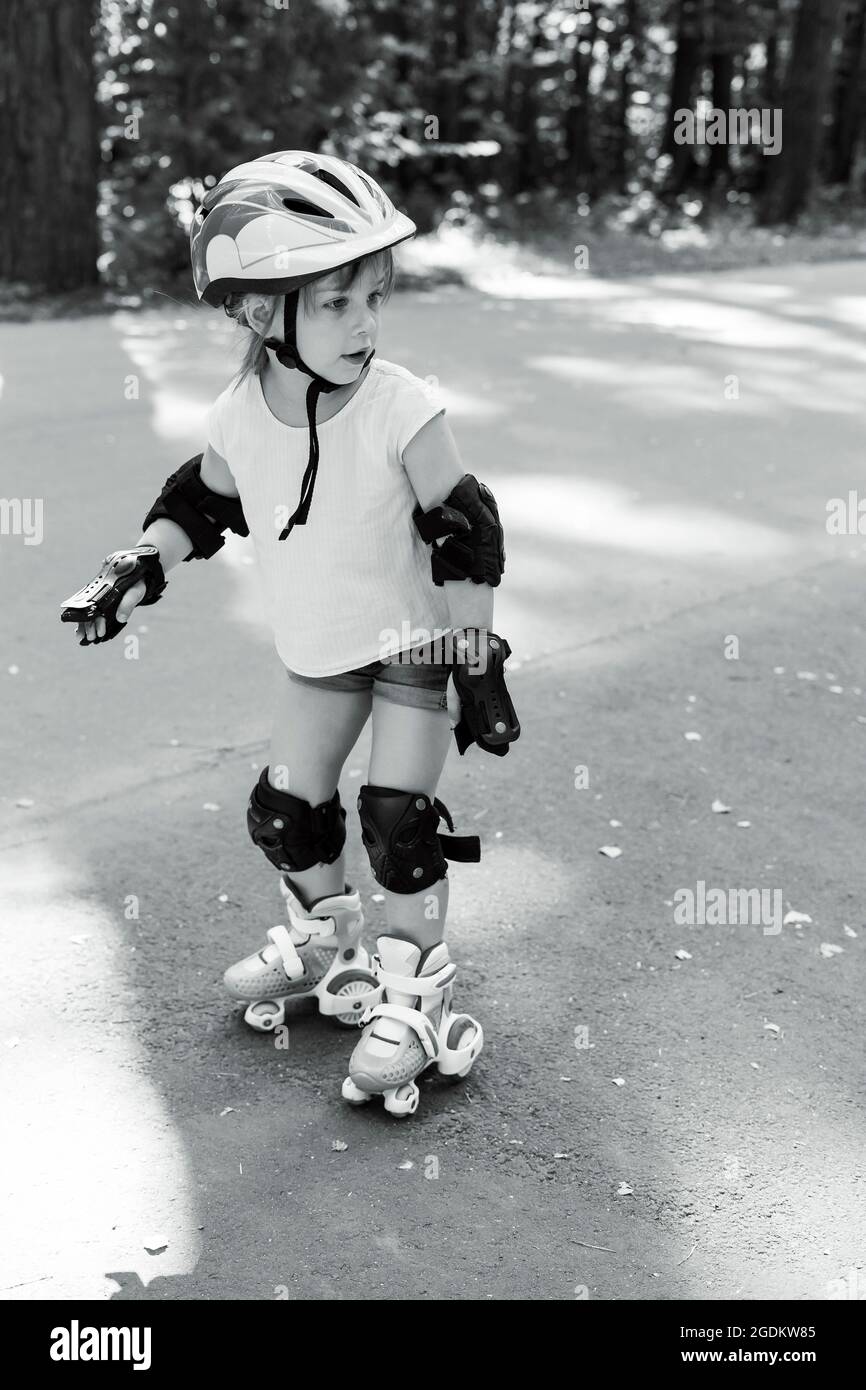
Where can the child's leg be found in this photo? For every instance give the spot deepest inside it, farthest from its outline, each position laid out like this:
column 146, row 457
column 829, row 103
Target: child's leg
column 414, row 1025
column 314, row 731
column 409, row 749
column 320, row 951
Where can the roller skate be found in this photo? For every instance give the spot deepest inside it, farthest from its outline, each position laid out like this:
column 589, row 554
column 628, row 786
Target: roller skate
column 319, row 954
column 411, row 1029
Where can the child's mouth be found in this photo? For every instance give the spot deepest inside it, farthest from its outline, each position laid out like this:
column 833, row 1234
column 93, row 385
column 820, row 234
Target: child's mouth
column 355, row 357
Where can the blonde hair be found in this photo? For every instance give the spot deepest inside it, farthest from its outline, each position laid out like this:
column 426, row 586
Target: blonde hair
column 254, row 355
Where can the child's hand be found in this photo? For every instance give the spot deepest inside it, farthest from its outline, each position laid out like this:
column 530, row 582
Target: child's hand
column 96, row 628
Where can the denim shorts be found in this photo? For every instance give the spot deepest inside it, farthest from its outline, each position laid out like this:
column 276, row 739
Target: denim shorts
column 398, row 679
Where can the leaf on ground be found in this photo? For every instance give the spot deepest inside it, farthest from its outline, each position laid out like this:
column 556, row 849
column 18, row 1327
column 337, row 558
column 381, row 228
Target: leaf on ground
column 719, row 807
column 682, row 955
column 806, row 676
column 849, row 931
column 744, row 824
column 229, row 1110
column 612, row 851
column 795, row 919
column 772, row 1027
column 210, row 806
column 827, row 949
column 618, row 1080
column 692, row 736
column 406, row 1165
column 339, row 1146
column 624, row 1190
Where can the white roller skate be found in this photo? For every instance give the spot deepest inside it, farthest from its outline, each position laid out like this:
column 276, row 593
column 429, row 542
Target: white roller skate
column 411, row 1029
column 319, row 954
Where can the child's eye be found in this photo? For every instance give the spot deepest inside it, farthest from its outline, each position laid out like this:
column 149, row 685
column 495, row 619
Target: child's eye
column 337, row 303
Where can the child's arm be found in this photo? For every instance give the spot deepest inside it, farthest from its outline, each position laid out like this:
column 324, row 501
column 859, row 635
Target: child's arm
column 467, row 520
column 203, row 495
column 170, row 539
column 434, row 468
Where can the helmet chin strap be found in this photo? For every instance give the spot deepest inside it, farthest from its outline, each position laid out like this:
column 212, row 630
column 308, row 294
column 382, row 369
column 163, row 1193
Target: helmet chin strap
column 287, row 355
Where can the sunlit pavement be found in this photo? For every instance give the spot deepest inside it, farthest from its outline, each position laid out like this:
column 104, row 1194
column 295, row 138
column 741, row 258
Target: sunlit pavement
column 662, row 451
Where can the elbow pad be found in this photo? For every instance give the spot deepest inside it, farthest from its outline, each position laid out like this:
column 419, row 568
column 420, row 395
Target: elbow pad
column 474, row 545
column 201, row 513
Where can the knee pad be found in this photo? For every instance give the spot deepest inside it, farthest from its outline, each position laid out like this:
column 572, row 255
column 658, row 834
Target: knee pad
column 292, row 833
column 399, row 831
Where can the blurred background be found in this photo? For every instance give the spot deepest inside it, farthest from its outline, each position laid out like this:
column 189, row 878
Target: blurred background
column 535, row 124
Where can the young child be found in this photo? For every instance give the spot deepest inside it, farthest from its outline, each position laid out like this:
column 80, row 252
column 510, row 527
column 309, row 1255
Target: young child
column 378, row 563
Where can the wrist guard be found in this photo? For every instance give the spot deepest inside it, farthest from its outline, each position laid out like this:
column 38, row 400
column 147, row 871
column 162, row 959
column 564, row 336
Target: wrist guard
column 101, row 597
column 197, row 510
column 487, row 715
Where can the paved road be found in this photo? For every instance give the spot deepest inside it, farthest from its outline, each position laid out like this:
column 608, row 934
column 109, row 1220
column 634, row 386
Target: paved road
column 662, row 451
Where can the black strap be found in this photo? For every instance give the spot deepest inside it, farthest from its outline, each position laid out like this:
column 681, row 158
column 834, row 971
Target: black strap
column 463, row 849
column 302, row 511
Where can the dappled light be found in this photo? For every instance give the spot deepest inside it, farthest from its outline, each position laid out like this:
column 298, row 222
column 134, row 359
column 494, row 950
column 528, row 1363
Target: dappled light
column 96, row 1147
column 574, row 509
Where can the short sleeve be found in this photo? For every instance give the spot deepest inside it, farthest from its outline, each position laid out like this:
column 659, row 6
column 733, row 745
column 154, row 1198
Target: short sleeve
column 416, row 402
column 214, row 429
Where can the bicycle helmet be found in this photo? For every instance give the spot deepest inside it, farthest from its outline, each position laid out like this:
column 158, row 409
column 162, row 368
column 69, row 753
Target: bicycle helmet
column 277, row 222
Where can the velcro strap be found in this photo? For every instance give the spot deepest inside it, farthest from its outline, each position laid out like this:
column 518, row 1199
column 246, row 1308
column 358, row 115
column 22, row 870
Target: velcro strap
column 439, row 521
column 418, row 1022
column 465, row 849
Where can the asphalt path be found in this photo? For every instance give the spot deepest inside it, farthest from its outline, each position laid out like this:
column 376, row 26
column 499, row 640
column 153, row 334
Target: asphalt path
column 642, row 1124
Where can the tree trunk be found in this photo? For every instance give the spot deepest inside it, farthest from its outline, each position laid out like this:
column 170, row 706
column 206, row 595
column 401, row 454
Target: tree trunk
column 49, row 150
column 719, row 165
column 527, row 171
column 628, row 46
column 805, row 101
column 772, row 83
column 464, row 22
column 848, row 100
column 689, row 47
column 579, row 161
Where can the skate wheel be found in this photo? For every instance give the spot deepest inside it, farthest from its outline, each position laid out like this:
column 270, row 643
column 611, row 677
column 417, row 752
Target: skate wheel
column 403, row 1101
column 353, row 1094
column 265, row 1015
column 355, row 989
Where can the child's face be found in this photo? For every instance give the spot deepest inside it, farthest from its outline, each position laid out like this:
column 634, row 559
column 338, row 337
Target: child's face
column 340, row 323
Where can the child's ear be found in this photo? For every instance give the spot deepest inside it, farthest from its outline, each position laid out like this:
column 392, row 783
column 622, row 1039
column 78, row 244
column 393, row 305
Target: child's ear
column 259, row 312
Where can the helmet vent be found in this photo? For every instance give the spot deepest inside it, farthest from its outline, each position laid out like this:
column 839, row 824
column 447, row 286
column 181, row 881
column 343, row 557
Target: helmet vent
column 300, row 205
column 333, row 182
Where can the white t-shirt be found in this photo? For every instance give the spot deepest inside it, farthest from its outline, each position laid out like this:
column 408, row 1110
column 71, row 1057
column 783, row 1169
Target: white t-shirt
column 354, row 584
